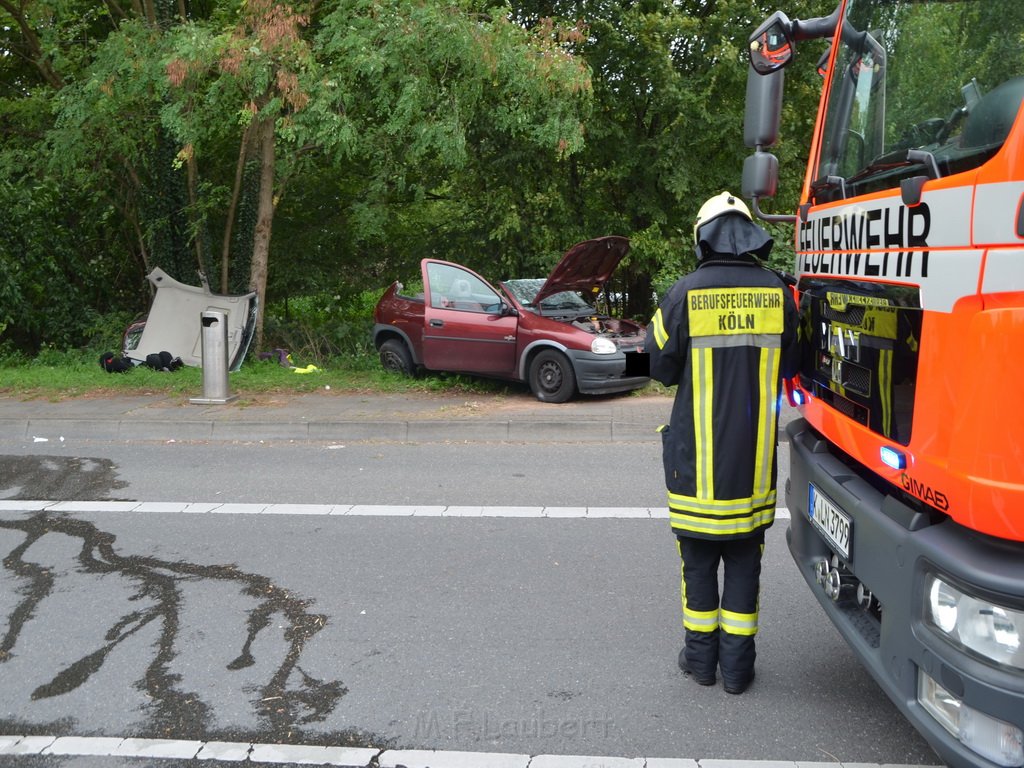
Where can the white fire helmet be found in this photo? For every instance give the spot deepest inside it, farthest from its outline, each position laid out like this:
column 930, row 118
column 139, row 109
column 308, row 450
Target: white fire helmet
column 716, row 206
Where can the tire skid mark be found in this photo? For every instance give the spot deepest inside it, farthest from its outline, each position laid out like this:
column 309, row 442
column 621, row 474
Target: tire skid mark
column 64, row 478
column 289, row 699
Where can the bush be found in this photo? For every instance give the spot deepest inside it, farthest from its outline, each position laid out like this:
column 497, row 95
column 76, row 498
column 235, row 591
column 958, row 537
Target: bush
column 322, row 327
column 58, row 271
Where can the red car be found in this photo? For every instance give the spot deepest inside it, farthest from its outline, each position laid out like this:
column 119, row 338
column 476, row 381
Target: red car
column 537, row 331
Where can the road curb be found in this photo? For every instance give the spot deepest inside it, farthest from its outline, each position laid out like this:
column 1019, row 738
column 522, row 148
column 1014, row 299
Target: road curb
column 233, row 430
column 358, row 757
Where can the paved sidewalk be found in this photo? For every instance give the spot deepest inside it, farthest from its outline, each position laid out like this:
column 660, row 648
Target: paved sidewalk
column 327, row 416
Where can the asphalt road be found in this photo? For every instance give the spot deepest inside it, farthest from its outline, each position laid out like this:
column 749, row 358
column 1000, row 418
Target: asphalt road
column 556, row 474
column 494, row 634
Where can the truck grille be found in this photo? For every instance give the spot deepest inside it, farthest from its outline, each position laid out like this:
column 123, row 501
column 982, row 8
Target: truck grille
column 859, row 350
column 846, row 407
column 857, row 379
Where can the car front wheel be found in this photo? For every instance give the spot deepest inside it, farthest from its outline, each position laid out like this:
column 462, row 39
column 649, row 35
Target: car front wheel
column 552, row 377
column 395, row 357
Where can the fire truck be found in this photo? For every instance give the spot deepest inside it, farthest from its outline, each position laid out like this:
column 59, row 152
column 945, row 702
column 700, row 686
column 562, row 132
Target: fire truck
column 906, row 487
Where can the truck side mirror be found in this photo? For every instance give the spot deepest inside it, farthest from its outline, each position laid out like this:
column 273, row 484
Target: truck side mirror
column 761, row 129
column 763, row 110
column 760, row 175
column 771, row 45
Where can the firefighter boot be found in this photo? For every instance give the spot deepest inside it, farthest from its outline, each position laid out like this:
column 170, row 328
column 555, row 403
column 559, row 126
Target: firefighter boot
column 736, row 655
column 737, row 688
column 702, row 677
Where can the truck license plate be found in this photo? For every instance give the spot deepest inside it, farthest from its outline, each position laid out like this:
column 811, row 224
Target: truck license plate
column 834, row 524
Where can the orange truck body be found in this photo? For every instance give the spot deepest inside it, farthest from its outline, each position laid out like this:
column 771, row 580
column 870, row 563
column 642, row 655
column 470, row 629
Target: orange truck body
column 906, row 485
column 967, row 446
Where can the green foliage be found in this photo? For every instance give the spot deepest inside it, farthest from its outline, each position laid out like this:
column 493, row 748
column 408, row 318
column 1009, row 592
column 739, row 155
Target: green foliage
column 458, row 120
column 322, row 327
column 106, row 331
column 43, row 296
column 487, row 134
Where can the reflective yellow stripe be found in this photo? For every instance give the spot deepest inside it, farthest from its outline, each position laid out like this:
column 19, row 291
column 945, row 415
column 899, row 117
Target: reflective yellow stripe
column 700, row 621
column 885, row 389
column 696, row 525
column 682, row 521
column 739, row 623
column 658, row 324
column 682, row 578
column 761, row 340
column 703, row 409
column 720, row 507
column 696, row 621
column 768, row 375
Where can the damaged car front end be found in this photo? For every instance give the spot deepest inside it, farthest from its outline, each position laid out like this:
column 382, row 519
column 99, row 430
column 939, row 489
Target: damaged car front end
column 544, row 332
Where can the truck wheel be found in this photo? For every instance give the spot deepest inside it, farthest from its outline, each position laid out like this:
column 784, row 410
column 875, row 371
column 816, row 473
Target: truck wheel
column 395, row 357
column 552, row 378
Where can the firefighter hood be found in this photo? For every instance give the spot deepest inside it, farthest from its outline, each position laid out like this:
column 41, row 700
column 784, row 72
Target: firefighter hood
column 733, row 235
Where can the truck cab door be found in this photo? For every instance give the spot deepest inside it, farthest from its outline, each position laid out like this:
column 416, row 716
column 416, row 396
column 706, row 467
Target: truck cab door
column 466, row 325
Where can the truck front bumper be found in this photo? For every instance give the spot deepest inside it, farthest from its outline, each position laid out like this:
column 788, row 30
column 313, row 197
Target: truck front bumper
column 892, row 550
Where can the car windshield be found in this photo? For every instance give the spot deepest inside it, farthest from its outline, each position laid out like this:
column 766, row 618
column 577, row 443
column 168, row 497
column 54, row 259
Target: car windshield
column 919, row 87
column 525, row 291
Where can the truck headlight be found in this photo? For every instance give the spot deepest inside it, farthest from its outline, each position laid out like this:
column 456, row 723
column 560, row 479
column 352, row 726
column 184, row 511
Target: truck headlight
column 993, row 739
column 603, row 346
column 988, row 629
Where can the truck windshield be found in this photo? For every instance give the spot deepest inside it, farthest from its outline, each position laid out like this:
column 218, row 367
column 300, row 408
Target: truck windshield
column 919, row 87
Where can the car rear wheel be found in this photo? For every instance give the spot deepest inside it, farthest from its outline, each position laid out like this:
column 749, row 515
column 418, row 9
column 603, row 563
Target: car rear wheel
column 395, row 357
column 552, row 377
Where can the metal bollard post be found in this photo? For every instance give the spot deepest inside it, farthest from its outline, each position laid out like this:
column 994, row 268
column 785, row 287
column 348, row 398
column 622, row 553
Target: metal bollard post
column 215, row 358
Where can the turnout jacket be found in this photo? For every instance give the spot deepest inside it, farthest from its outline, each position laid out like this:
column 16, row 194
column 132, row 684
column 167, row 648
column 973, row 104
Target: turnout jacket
column 726, row 335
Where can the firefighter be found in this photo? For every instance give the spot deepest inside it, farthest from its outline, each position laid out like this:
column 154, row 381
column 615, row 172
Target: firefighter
column 725, row 334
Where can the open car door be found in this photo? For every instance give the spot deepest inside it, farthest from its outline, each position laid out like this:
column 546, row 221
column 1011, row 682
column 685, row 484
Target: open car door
column 467, row 326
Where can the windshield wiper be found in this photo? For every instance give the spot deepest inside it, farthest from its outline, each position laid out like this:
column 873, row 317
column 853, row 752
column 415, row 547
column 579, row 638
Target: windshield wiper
column 828, row 183
column 901, row 158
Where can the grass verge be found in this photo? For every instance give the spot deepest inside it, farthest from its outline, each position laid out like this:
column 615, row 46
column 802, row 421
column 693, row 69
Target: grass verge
column 59, row 375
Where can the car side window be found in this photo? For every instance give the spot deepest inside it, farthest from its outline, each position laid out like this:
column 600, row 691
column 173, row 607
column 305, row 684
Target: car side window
column 454, row 288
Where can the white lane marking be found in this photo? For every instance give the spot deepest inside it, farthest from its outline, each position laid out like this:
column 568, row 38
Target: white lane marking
column 354, row 510
column 355, row 757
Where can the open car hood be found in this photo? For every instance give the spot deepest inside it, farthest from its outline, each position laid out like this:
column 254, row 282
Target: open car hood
column 585, row 267
column 174, row 323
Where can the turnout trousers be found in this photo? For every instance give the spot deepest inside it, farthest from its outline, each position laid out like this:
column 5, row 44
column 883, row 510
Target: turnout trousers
column 720, row 632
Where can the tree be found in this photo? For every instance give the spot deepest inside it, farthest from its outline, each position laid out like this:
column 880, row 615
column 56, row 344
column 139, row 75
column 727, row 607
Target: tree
column 74, row 176
column 398, row 90
column 666, row 128
column 327, row 145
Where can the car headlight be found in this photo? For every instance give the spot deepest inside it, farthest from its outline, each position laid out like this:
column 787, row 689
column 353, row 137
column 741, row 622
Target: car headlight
column 603, row 346
column 986, row 628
